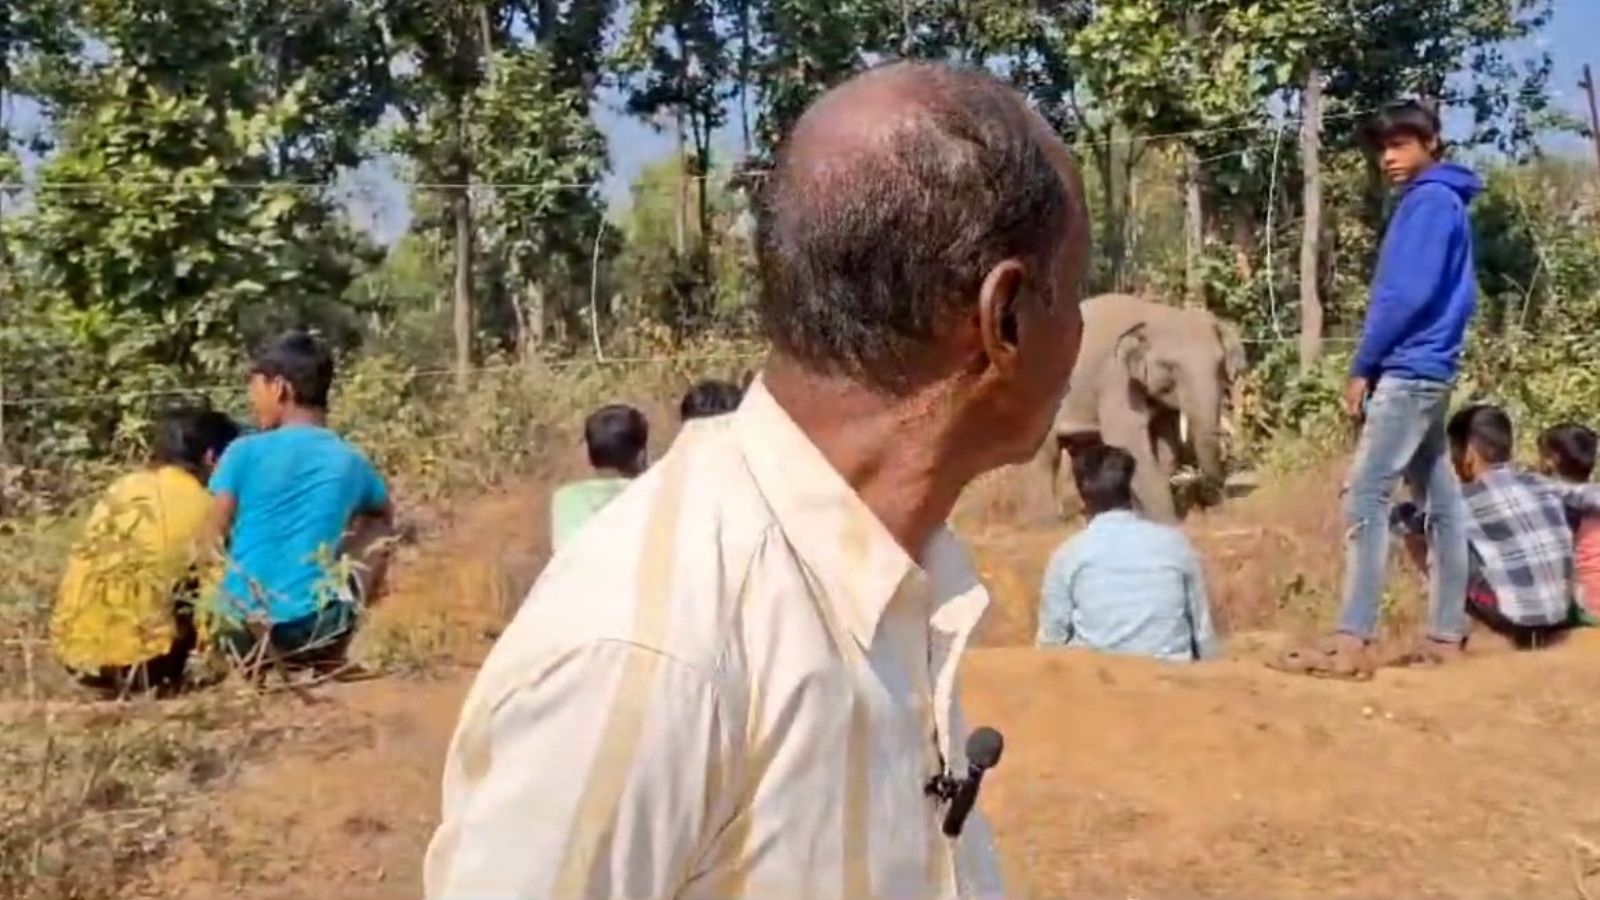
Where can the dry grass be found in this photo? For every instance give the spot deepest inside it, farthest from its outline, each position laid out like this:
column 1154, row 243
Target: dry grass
column 94, row 792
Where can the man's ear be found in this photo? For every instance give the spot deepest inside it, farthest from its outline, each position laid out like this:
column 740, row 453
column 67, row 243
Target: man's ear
column 998, row 298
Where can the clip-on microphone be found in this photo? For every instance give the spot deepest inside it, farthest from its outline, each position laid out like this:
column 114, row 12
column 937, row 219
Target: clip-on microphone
column 983, row 753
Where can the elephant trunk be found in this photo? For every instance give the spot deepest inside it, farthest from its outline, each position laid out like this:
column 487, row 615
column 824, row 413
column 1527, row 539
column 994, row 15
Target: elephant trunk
column 1202, row 407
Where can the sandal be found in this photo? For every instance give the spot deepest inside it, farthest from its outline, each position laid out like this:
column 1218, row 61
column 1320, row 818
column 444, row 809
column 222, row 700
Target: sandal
column 1428, row 654
column 1329, row 660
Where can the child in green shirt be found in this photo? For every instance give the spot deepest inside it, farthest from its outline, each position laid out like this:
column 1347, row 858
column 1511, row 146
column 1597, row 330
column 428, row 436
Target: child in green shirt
column 617, row 438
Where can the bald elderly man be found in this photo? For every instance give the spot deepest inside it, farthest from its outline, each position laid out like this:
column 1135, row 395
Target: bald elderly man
column 739, row 680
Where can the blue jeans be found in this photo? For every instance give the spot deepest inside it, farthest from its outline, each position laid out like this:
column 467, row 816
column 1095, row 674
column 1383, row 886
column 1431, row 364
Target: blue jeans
column 1404, row 437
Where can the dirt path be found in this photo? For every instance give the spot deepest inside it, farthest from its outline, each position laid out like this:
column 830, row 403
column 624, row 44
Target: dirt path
column 1121, row 777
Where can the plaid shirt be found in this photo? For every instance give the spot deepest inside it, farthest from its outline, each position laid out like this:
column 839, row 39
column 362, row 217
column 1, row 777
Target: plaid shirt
column 1518, row 530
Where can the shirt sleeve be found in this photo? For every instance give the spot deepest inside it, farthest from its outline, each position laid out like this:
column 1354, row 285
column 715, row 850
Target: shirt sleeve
column 592, row 779
column 230, row 469
column 1199, row 606
column 1582, row 498
column 374, row 492
column 1055, row 597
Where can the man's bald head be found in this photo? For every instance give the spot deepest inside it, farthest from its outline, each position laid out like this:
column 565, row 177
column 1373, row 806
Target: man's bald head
column 894, row 196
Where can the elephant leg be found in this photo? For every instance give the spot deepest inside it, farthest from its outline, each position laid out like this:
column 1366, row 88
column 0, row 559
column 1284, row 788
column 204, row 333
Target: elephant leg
column 1047, row 462
column 1166, row 440
column 1152, row 488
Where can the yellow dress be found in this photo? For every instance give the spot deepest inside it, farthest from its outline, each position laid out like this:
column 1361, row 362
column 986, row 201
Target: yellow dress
column 115, row 606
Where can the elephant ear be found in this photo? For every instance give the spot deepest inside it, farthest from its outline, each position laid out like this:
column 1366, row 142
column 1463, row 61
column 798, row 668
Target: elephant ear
column 1133, row 351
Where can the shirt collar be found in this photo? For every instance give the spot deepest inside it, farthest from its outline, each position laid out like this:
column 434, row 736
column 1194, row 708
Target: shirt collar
column 861, row 567
column 1496, row 475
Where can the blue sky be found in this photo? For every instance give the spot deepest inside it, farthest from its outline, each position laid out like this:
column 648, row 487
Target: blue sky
column 377, row 201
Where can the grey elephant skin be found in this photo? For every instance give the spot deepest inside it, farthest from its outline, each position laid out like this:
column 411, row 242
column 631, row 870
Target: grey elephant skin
column 1142, row 363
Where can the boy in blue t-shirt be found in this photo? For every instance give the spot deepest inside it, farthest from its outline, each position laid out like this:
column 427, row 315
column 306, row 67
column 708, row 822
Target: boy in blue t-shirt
column 290, row 501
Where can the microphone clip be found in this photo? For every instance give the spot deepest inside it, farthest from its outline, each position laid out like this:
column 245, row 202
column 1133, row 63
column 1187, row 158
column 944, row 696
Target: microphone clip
column 942, row 787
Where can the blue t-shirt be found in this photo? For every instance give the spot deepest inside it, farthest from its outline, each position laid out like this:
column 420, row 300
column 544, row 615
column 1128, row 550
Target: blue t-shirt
column 297, row 488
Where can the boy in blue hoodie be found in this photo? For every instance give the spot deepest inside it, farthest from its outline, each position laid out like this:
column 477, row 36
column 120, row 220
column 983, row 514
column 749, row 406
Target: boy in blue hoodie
column 1423, row 295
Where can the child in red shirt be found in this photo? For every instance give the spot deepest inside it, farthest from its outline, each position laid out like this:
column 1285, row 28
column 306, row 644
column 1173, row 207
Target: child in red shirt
column 1567, row 452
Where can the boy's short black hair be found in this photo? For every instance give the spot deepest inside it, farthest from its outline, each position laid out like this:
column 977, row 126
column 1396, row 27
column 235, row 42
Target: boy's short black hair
column 1104, row 475
column 184, row 436
column 616, row 436
column 1407, row 117
column 1485, row 428
column 1572, row 448
column 709, row 398
column 303, row 362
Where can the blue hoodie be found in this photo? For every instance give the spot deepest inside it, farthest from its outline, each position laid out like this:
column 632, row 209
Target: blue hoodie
column 1425, row 289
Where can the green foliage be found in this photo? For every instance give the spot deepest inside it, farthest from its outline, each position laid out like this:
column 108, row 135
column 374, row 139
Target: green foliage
column 1538, row 240
column 534, row 139
column 808, row 45
column 200, row 135
column 667, row 286
column 155, row 252
column 500, row 93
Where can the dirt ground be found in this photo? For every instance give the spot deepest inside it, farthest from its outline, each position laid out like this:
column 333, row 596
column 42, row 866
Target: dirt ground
column 1121, row 778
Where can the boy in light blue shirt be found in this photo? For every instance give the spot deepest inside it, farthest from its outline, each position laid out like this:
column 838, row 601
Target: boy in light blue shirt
column 290, row 501
column 1124, row 584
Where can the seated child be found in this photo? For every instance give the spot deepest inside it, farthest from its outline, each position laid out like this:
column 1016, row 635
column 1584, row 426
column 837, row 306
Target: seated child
column 618, row 440
column 124, row 616
column 709, row 398
column 1567, row 452
column 1519, row 544
column 1124, row 584
column 298, row 506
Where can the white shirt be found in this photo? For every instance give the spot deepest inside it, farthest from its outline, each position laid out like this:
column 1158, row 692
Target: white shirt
column 733, row 682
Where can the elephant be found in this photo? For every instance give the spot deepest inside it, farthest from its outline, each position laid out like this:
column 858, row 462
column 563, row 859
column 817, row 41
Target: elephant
column 1147, row 373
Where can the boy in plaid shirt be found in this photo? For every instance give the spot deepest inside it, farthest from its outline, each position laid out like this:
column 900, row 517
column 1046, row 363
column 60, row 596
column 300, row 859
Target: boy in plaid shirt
column 1520, row 550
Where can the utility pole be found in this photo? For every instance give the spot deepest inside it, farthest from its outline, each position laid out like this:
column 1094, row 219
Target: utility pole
column 1594, row 114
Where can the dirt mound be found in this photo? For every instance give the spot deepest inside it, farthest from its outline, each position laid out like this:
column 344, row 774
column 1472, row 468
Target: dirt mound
column 1121, row 777
column 1129, row 778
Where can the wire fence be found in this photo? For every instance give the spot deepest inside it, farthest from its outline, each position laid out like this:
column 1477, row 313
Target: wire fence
column 1194, row 136
column 1272, row 135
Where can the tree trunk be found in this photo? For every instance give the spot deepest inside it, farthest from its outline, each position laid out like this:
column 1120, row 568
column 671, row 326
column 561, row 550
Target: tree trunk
column 1116, row 174
column 1115, row 217
column 538, row 312
column 702, row 196
column 462, row 303
column 744, row 74
column 681, row 210
column 1194, row 233
column 1310, row 271
column 461, row 299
